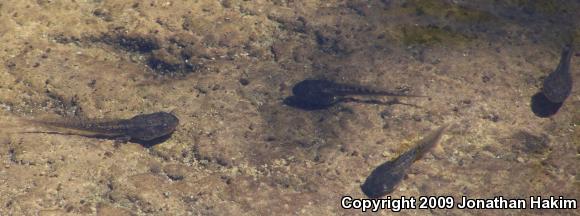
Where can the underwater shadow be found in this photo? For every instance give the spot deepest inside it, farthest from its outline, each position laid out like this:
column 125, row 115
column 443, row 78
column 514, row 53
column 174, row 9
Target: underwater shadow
column 153, row 142
column 542, row 107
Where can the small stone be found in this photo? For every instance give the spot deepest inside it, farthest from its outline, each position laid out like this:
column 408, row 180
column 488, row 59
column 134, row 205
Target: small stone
column 244, row 81
column 386, row 154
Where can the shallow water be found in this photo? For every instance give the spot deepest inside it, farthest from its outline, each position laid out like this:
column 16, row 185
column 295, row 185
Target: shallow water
column 224, row 68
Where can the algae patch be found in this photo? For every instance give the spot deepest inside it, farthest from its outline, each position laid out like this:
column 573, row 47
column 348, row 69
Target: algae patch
column 430, row 35
column 548, row 7
column 446, row 10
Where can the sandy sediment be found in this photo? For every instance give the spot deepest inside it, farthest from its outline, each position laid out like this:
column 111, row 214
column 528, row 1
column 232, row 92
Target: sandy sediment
column 224, row 67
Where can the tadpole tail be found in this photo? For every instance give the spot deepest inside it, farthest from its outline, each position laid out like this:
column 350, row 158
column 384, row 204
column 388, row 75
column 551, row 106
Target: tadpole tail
column 430, row 141
column 360, row 90
column 566, row 56
column 47, row 132
column 86, row 134
column 382, row 93
column 392, row 94
column 72, row 123
column 378, row 102
column 59, row 123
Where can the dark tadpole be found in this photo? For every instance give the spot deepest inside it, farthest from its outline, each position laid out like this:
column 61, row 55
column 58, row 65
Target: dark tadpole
column 145, row 129
column 558, row 85
column 542, row 107
column 388, row 175
column 321, row 94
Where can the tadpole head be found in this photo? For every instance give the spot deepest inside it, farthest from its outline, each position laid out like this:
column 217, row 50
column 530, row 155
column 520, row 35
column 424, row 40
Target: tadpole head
column 154, row 125
column 311, row 87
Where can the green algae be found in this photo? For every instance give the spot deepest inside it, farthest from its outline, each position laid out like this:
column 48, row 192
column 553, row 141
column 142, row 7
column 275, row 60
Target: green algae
column 446, row 10
column 548, row 7
column 430, row 35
